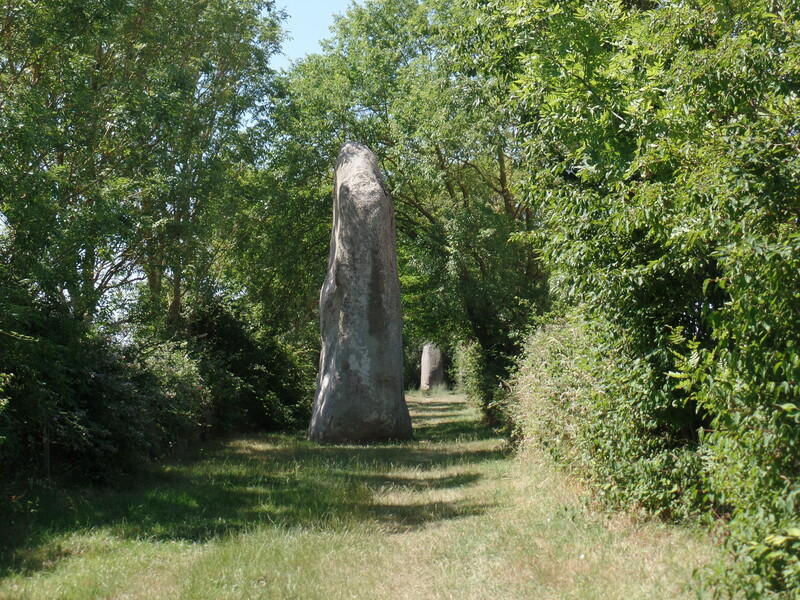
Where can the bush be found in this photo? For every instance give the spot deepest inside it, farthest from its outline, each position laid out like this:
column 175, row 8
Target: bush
column 580, row 395
column 584, row 398
column 77, row 404
column 256, row 381
column 180, row 402
column 551, row 390
column 85, row 408
column 466, row 368
column 748, row 382
column 132, row 404
column 483, row 376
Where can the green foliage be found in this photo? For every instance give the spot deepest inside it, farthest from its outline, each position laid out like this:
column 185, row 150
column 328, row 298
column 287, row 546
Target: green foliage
column 466, row 368
column 552, row 390
column 80, row 407
column 390, row 78
column 179, row 395
column 585, row 398
column 127, row 134
column 255, row 381
column 662, row 138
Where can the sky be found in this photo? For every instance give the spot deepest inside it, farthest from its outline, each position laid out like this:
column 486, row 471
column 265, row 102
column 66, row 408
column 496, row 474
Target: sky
column 308, row 22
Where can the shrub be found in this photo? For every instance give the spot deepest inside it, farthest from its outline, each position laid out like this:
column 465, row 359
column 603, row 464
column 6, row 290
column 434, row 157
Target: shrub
column 580, row 395
column 466, row 368
column 482, row 375
column 256, row 381
column 180, row 397
column 551, row 390
column 86, row 408
column 584, row 398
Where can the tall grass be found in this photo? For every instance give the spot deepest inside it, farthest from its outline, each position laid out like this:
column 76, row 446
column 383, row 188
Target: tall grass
column 450, row 515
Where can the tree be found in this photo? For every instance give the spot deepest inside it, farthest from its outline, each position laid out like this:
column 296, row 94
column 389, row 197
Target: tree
column 204, row 95
column 661, row 135
column 449, row 153
column 120, row 122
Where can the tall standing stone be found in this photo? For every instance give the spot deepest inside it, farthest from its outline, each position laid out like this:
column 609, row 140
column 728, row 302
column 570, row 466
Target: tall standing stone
column 432, row 369
column 360, row 396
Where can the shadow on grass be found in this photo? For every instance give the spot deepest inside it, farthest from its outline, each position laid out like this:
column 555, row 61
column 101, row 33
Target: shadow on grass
column 444, row 418
column 284, row 481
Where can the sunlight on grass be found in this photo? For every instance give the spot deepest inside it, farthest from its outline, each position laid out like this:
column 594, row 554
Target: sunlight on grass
column 450, row 515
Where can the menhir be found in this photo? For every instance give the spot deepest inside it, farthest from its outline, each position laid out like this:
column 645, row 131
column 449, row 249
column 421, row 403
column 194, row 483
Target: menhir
column 360, row 396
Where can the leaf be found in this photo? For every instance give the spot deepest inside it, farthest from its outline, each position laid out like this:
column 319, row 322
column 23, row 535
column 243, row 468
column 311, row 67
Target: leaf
column 777, row 540
column 794, row 532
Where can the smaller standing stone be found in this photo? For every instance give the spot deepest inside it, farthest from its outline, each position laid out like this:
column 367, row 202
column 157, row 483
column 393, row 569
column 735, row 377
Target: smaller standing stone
column 432, row 367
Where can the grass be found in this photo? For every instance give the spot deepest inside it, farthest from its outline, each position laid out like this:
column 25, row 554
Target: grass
column 450, row 515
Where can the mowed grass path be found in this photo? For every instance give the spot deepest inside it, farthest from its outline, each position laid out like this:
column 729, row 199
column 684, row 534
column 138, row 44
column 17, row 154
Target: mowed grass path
column 451, row 515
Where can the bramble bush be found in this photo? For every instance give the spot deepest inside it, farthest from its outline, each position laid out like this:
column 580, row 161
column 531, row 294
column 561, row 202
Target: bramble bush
column 256, row 382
